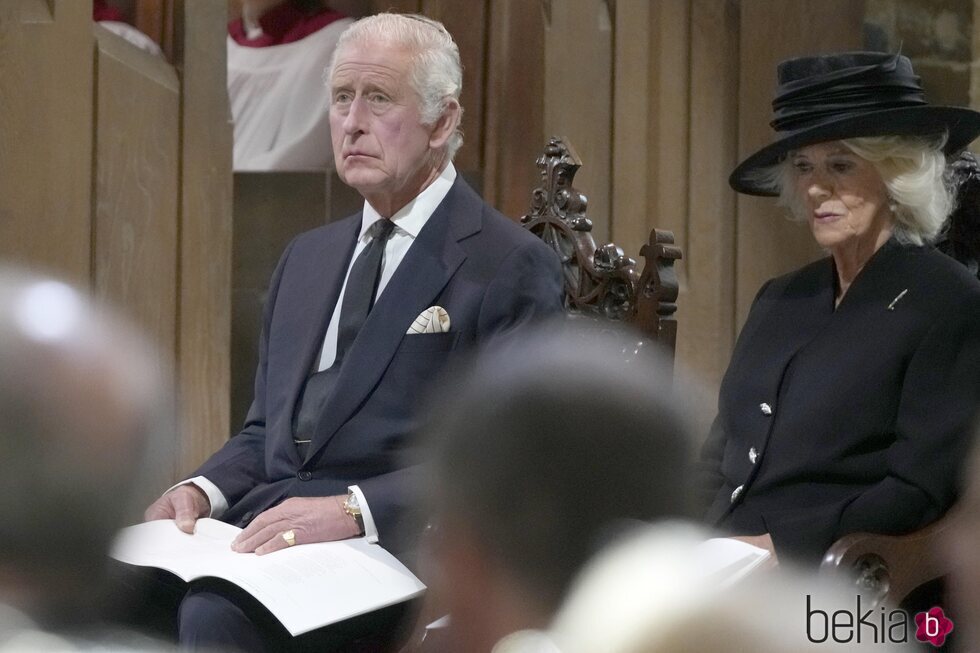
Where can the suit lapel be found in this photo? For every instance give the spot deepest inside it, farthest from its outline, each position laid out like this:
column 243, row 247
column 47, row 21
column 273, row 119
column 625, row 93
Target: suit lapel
column 321, row 286
column 428, row 266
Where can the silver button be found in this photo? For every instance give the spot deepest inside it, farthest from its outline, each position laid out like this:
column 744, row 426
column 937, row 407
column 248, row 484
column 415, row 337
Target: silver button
column 753, row 455
column 765, row 408
column 737, row 493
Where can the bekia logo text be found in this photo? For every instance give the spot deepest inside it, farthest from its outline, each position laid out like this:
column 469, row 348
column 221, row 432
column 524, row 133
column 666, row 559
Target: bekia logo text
column 877, row 626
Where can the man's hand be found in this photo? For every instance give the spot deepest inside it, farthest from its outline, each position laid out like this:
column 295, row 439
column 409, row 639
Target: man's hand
column 185, row 504
column 763, row 541
column 311, row 519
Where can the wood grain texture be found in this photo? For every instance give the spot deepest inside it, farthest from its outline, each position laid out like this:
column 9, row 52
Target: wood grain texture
column 203, row 358
column 397, row 6
column 134, row 230
column 156, row 18
column 514, row 133
column 670, row 114
column 467, row 21
column 706, row 314
column 634, row 137
column 135, row 226
column 768, row 244
column 578, row 95
column 46, row 90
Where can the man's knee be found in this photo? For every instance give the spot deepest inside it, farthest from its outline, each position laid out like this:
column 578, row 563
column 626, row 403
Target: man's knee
column 208, row 619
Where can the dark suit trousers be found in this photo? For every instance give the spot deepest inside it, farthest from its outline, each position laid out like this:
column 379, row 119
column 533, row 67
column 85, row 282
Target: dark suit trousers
column 214, row 615
column 219, row 616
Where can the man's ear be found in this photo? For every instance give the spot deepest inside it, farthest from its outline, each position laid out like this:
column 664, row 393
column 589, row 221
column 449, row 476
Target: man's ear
column 444, row 127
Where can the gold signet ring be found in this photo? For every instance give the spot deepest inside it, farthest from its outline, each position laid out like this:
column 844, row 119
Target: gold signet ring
column 290, row 538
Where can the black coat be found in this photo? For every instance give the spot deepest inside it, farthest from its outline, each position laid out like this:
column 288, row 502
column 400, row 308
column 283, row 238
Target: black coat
column 855, row 419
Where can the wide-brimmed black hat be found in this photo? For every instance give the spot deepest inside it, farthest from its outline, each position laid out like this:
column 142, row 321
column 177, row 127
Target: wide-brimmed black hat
column 850, row 95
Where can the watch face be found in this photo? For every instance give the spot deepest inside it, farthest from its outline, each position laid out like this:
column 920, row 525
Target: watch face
column 352, row 502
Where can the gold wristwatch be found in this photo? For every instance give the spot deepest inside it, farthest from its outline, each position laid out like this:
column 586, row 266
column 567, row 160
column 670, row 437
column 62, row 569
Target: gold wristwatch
column 353, row 508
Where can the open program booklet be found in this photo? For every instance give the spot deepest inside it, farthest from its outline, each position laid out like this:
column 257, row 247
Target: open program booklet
column 306, row 587
column 727, row 561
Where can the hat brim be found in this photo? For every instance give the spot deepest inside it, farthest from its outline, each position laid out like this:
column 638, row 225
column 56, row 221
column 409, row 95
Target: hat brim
column 961, row 125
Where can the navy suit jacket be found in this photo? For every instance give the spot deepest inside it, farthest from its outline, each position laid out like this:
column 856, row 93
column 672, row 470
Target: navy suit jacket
column 489, row 274
column 868, row 408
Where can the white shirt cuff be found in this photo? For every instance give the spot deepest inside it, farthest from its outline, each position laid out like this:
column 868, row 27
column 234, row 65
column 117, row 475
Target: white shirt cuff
column 219, row 504
column 370, row 530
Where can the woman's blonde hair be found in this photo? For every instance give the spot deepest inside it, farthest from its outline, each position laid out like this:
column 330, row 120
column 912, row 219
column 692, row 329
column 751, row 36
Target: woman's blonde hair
column 913, row 171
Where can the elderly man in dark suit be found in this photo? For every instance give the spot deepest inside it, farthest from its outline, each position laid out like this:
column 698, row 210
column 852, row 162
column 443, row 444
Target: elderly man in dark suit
column 362, row 314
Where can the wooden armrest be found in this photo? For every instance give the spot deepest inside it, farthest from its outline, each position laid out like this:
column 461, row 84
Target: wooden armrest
column 890, row 566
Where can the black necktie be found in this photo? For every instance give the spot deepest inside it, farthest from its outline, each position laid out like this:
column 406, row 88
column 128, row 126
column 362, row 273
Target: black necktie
column 362, row 286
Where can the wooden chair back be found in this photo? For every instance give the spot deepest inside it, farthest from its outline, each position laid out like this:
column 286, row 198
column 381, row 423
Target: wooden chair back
column 602, row 282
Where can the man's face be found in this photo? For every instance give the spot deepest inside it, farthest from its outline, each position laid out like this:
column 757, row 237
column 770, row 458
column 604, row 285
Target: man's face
column 380, row 145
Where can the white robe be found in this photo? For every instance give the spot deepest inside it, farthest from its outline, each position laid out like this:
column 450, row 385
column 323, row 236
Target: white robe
column 280, row 102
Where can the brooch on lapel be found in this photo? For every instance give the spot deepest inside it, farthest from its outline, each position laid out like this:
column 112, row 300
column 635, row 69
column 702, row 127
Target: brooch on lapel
column 891, row 307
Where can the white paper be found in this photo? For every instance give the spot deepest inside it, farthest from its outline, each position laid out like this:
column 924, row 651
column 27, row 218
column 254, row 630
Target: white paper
column 306, row 586
column 728, row 560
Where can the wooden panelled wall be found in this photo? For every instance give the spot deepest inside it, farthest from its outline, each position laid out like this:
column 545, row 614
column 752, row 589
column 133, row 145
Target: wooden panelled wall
column 115, row 175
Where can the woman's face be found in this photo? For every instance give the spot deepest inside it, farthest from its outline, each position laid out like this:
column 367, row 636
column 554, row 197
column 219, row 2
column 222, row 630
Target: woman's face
column 842, row 196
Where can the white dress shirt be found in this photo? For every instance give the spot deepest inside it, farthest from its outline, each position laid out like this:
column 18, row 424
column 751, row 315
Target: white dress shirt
column 409, row 221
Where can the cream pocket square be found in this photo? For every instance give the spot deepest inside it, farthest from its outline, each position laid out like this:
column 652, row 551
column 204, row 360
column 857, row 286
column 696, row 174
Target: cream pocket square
column 434, row 319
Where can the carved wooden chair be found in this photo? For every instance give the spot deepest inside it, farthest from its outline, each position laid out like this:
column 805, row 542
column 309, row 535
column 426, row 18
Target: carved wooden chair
column 893, row 567
column 603, row 282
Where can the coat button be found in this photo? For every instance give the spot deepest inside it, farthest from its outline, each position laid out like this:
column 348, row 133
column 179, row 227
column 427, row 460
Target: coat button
column 753, row 455
column 765, row 408
column 737, row 493
column 304, row 475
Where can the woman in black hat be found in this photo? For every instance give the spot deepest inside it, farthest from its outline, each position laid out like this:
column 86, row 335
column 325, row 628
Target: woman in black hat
column 854, row 383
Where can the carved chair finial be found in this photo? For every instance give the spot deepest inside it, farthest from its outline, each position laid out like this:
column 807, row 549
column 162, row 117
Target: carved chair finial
column 601, row 281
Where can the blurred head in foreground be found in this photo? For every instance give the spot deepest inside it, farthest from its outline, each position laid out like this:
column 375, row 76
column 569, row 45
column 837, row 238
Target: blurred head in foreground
column 961, row 549
column 80, row 402
column 651, row 593
column 541, row 453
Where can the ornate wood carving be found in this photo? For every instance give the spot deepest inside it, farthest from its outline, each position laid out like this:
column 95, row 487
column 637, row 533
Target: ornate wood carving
column 602, row 281
column 656, row 299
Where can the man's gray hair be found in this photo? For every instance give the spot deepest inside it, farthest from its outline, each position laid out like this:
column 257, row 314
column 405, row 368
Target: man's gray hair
column 437, row 72
column 913, row 171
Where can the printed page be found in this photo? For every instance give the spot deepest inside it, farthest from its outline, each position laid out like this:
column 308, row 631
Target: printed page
column 306, row 586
